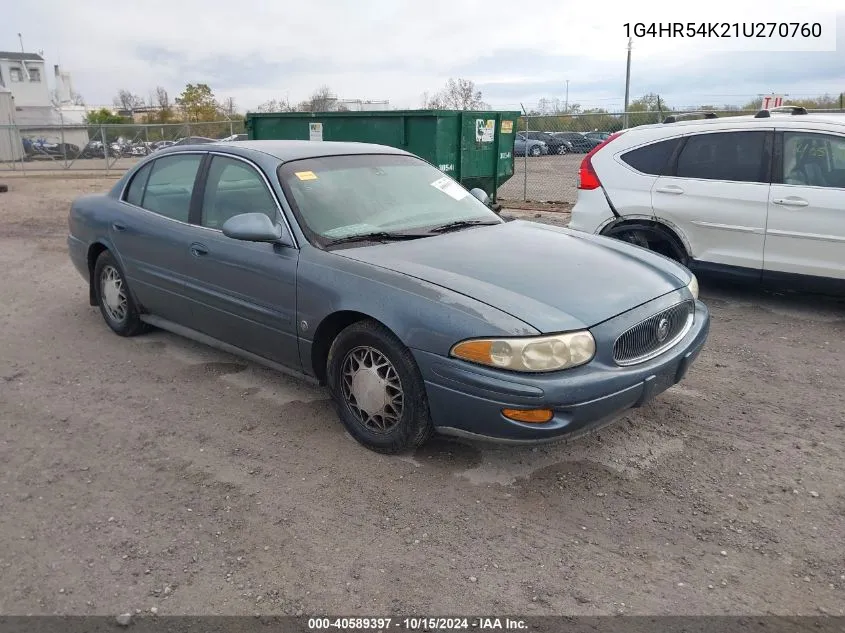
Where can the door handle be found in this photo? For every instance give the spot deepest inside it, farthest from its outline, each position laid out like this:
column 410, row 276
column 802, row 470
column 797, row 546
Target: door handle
column 198, row 250
column 791, row 202
column 675, row 190
column 117, row 226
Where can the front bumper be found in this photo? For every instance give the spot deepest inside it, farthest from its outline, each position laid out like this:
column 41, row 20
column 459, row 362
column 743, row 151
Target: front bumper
column 466, row 399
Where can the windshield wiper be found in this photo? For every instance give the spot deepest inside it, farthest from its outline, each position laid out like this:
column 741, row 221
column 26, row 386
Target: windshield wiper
column 460, row 224
column 376, row 236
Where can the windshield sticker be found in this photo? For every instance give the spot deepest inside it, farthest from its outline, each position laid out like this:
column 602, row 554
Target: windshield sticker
column 306, row 175
column 450, row 188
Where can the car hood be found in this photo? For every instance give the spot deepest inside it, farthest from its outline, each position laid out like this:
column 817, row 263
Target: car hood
column 552, row 278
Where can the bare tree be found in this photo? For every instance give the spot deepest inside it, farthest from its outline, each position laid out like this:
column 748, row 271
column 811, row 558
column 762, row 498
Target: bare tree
column 322, row 100
column 276, row 105
column 162, row 98
column 128, row 101
column 458, row 94
column 228, row 107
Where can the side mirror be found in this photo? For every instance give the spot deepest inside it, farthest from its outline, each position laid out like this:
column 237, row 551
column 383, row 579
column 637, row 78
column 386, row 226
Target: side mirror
column 252, row 227
column 481, row 196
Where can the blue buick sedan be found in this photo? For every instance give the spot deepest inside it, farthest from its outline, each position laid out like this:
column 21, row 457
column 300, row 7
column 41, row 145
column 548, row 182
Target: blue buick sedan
column 364, row 268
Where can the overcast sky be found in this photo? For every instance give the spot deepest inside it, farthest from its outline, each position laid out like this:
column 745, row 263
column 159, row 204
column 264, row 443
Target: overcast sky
column 516, row 52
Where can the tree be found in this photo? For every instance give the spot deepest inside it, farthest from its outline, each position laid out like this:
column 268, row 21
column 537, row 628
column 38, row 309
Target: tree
column 649, row 108
column 458, row 94
column 197, row 103
column 103, row 116
column 276, row 105
column 322, row 100
column 128, row 101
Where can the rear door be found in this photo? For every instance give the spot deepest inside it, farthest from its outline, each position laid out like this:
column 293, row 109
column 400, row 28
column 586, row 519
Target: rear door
column 716, row 192
column 152, row 235
column 806, row 229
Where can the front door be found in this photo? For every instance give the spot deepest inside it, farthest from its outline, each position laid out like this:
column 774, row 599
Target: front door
column 243, row 293
column 806, row 230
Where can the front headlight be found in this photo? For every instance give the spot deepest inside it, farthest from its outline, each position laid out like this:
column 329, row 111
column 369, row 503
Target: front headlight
column 693, row 287
column 533, row 354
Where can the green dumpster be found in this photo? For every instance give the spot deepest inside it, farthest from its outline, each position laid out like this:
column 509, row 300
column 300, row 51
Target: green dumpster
column 474, row 148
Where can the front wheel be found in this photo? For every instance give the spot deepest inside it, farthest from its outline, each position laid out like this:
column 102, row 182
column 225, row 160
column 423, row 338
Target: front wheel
column 377, row 389
column 561, row 149
column 535, row 151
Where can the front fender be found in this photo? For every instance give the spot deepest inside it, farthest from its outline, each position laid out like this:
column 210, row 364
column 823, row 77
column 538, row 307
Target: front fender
column 422, row 315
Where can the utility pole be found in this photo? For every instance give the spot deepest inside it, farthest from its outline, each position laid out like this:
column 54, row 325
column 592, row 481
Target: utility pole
column 628, row 81
column 566, row 104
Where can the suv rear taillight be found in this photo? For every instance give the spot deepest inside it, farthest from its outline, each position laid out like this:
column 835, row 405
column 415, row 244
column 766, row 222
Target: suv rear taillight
column 587, row 176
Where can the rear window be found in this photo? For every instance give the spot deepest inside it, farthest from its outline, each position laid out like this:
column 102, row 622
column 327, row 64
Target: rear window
column 651, row 159
column 733, row 156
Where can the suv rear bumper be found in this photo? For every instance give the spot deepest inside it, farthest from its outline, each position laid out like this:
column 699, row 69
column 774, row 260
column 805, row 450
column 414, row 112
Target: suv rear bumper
column 591, row 211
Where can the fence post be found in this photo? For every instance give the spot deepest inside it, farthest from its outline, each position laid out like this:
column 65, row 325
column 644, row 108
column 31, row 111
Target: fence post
column 105, row 147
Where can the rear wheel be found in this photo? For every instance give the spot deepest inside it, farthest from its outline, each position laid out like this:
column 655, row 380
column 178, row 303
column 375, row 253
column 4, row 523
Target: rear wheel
column 561, row 149
column 535, row 150
column 654, row 238
column 377, row 389
column 112, row 292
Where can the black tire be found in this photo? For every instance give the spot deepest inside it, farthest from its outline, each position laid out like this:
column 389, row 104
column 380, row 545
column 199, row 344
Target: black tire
column 561, row 149
column 107, row 270
column 411, row 425
column 535, row 150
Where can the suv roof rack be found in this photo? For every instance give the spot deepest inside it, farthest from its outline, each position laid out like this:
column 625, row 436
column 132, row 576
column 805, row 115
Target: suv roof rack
column 690, row 115
column 765, row 114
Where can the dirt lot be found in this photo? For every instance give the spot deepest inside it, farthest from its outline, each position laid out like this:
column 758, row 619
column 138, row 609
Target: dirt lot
column 550, row 179
column 155, row 473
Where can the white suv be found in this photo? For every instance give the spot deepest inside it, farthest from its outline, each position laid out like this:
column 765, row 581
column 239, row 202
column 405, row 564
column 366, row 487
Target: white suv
column 759, row 198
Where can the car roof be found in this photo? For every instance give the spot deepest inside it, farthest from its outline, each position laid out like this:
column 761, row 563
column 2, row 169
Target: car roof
column 750, row 120
column 290, row 150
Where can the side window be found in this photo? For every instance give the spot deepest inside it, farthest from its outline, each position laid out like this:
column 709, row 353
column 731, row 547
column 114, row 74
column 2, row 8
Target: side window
column 651, row 159
column 735, row 156
column 135, row 192
column 234, row 187
column 171, row 184
column 814, row 160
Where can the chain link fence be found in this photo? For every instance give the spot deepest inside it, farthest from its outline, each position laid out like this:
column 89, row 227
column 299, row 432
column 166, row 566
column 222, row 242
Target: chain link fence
column 546, row 162
column 98, row 148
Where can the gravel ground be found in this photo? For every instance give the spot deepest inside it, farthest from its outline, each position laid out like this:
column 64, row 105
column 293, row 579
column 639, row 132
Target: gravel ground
column 153, row 473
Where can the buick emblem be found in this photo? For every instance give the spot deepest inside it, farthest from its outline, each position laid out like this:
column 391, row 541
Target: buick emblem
column 662, row 330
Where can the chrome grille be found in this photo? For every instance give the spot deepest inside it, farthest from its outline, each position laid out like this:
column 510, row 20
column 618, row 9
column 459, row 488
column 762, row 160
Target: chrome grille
column 653, row 336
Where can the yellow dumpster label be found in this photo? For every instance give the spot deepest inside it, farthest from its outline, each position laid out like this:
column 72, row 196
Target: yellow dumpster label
column 306, row 175
column 507, row 127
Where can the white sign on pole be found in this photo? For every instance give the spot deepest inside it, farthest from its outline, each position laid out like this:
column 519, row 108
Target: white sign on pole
column 772, row 101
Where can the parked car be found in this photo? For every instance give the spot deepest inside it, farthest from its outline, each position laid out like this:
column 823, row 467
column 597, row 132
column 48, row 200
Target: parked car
column 195, row 140
column 157, row 145
column 365, row 268
column 521, row 145
column 554, row 144
column 575, row 142
column 757, row 198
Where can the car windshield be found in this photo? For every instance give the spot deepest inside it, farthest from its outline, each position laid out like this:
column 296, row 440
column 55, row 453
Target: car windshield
column 339, row 197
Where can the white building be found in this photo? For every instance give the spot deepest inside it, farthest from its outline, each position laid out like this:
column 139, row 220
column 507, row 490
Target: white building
column 36, row 114
column 23, row 74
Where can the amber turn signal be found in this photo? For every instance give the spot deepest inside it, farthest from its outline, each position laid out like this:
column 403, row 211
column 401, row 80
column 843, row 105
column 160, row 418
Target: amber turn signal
column 536, row 416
